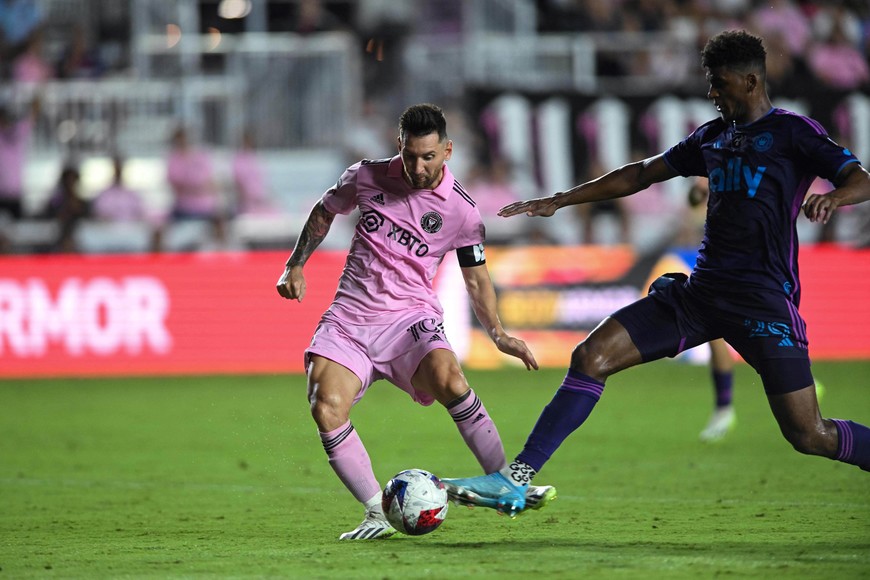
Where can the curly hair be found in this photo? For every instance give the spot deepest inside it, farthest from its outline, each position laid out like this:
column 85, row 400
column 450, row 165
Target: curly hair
column 734, row 49
column 421, row 120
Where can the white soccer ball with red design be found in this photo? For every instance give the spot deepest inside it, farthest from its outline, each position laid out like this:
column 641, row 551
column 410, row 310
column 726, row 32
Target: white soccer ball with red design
column 415, row 502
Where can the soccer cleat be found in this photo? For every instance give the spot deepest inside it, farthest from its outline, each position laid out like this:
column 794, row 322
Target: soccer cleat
column 374, row 525
column 720, row 424
column 538, row 496
column 493, row 491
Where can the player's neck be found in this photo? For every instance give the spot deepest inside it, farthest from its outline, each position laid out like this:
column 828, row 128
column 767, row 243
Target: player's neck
column 756, row 111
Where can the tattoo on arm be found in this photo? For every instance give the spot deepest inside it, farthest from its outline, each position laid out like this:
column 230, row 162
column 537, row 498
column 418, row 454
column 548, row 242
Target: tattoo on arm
column 313, row 233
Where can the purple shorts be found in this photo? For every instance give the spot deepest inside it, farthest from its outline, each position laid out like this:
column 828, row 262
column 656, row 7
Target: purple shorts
column 770, row 335
column 391, row 349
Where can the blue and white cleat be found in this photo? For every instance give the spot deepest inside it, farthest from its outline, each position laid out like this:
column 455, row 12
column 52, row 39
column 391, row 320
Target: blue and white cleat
column 538, row 496
column 493, row 491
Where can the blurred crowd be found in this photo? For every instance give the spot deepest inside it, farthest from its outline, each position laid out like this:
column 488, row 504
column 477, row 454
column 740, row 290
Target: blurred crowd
column 810, row 45
column 826, row 41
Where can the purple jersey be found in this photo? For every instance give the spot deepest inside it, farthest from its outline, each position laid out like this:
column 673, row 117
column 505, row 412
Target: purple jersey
column 758, row 175
column 401, row 237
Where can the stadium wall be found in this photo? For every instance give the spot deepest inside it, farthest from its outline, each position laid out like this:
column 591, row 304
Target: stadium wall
column 219, row 313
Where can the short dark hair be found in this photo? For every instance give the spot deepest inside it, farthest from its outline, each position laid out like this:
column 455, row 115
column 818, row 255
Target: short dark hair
column 421, row 120
column 735, row 49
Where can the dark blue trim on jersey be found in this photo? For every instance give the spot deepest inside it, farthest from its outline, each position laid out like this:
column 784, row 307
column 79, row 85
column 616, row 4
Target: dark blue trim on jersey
column 457, row 187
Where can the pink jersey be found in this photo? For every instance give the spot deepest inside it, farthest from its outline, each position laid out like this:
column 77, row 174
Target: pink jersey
column 401, row 237
column 14, row 140
column 190, row 175
column 117, row 203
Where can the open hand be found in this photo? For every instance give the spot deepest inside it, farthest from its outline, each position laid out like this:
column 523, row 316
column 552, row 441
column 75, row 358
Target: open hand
column 516, row 347
column 542, row 206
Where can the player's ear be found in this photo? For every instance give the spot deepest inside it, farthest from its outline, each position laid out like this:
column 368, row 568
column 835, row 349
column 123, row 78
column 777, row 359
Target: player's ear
column 448, row 150
column 751, row 81
column 399, row 143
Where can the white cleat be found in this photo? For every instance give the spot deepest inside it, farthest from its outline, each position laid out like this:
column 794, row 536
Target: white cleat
column 720, row 424
column 374, row 525
column 538, row 496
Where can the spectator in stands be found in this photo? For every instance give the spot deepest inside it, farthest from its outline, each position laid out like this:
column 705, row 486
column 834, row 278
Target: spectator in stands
column 119, row 203
column 783, row 19
column 195, row 193
column 14, row 140
column 31, row 66
column 249, row 179
column 836, row 60
column 67, row 208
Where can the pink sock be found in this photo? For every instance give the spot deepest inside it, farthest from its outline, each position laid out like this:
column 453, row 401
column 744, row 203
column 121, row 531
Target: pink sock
column 479, row 431
column 350, row 461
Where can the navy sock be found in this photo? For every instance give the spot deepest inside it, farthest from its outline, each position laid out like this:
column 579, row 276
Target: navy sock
column 854, row 443
column 722, row 383
column 569, row 408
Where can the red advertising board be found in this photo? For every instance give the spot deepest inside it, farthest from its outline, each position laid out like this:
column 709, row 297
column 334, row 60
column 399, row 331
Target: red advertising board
column 156, row 314
column 220, row 313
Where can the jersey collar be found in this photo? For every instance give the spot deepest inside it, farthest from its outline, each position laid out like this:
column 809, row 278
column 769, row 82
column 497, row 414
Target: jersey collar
column 443, row 189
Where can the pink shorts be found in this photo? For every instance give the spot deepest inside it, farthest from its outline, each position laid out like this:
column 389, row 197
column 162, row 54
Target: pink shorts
column 391, row 350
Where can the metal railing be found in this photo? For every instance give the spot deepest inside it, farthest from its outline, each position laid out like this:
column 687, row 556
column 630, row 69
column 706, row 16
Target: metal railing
column 292, row 92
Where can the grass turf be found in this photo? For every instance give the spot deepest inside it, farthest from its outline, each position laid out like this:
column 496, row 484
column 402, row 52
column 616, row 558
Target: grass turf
column 225, row 476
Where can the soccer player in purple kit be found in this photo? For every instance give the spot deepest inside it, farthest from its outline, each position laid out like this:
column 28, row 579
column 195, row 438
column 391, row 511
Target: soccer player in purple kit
column 760, row 161
column 385, row 321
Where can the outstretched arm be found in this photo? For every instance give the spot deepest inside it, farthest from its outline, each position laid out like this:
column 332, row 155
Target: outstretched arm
column 852, row 187
column 483, row 301
column 291, row 284
column 620, row 182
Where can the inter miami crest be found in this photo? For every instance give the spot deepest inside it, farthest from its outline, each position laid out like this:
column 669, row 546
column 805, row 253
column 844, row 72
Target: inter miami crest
column 431, row 222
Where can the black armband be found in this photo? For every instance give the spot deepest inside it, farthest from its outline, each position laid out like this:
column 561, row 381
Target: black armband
column 470, row 256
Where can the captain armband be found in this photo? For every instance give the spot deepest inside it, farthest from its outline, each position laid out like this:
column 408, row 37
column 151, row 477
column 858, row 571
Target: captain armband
column 471, row 256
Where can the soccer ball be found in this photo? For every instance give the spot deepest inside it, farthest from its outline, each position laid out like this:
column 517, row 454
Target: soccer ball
column 415, row 502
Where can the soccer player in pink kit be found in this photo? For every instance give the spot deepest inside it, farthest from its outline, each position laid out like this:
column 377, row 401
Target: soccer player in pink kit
column 385, row 321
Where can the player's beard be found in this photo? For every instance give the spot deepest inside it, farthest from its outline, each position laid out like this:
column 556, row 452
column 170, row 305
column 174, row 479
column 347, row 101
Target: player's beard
column 425, row 181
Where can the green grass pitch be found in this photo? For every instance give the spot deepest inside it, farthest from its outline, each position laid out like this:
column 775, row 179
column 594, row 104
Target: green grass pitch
column 226, row 477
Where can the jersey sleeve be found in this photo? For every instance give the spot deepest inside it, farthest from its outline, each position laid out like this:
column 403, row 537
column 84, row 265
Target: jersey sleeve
column 823, row 157
column 473, row 231
column 685, row 157
column 342, row 197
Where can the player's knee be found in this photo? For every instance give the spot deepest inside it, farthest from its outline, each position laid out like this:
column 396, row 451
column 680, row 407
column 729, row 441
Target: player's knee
column 590, row 361
column 329, row 410
column 811, row 441
column 449, row 385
